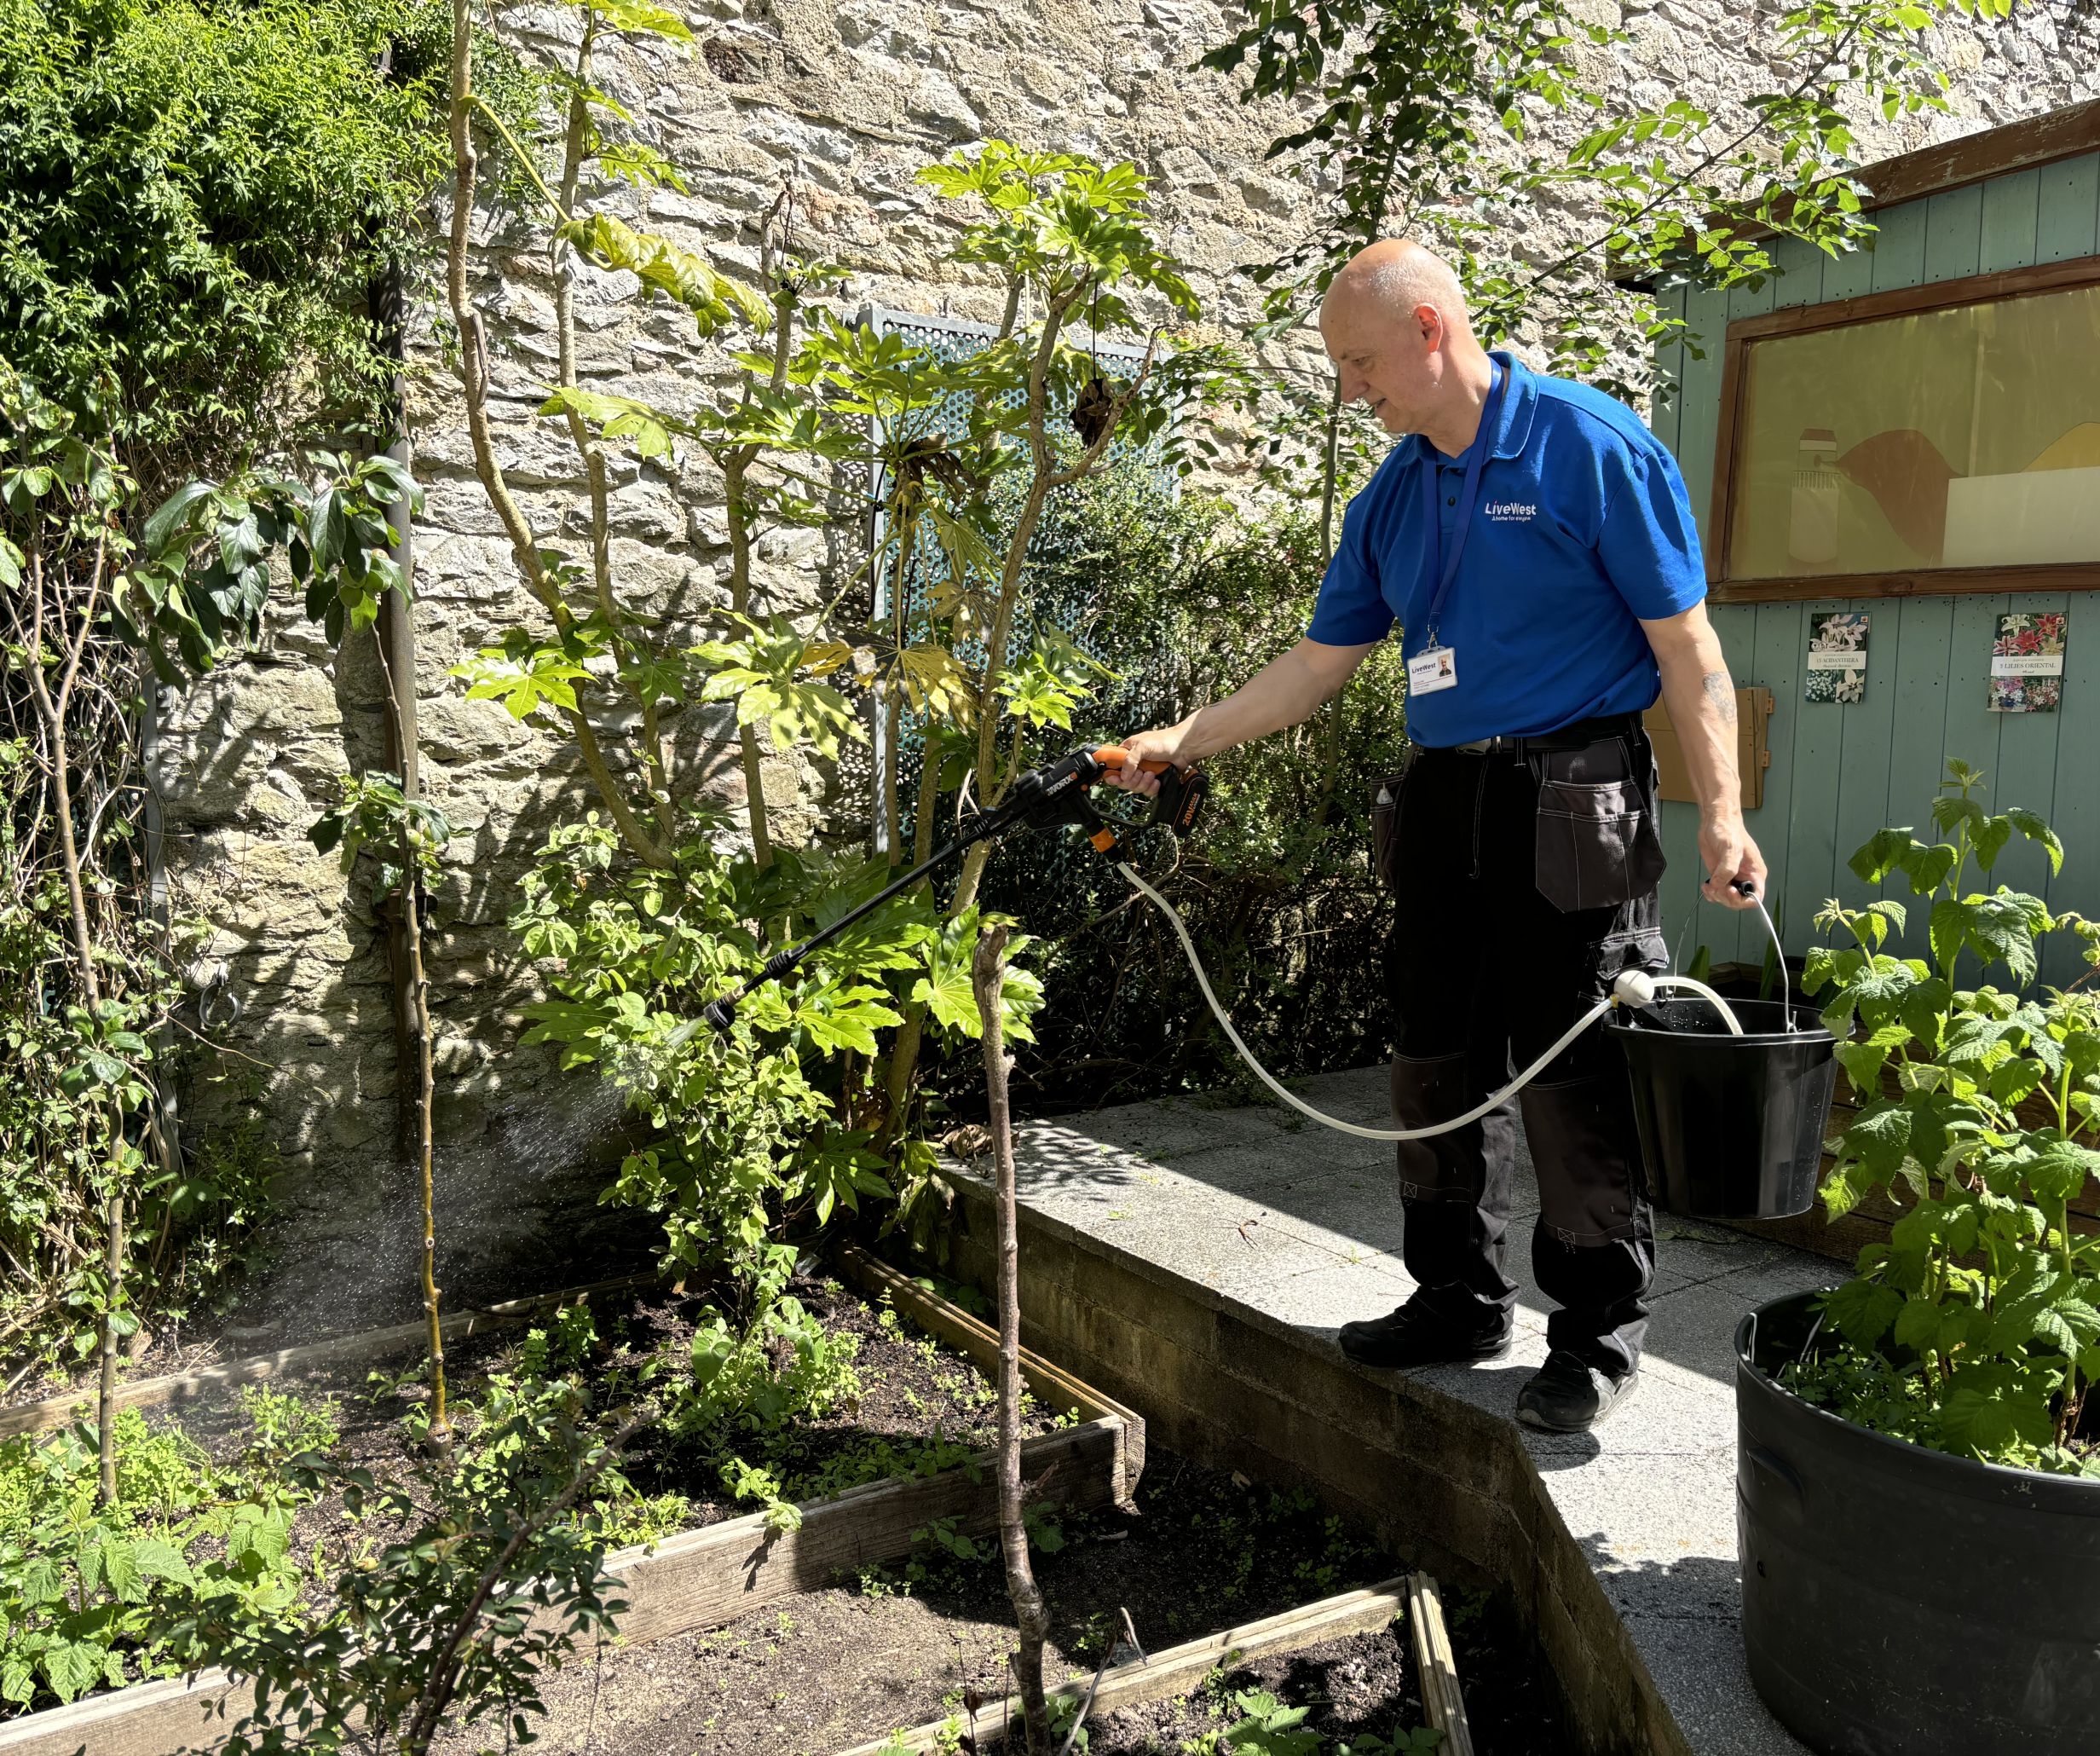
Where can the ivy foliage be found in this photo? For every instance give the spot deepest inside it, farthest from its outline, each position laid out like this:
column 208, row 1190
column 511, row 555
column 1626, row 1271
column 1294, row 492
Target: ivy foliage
column 195, row 196
column 1976, row 1329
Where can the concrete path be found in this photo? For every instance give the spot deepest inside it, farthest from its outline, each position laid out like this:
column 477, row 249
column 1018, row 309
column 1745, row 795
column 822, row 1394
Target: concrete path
column 1301, row 1223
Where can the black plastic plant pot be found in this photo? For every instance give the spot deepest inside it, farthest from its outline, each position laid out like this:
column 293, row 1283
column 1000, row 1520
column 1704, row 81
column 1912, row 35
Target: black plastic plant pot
column 1731, row 1127
column 1901, row 1602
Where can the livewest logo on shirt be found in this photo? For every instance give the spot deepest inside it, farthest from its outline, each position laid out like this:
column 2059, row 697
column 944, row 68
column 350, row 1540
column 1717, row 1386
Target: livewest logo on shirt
column 1510, row 512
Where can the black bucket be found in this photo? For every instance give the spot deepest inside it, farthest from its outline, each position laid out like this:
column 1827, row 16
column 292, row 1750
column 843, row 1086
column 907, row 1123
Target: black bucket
column 1731, row 1127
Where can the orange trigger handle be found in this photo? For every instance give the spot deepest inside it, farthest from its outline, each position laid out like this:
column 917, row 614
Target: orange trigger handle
column 1115, row 756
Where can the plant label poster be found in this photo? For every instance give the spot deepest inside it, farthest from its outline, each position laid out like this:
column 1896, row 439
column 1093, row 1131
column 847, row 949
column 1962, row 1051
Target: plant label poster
column 2027, row 662
column 1837, row 667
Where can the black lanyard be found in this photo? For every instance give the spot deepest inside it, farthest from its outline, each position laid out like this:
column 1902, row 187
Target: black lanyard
column 1442, row 571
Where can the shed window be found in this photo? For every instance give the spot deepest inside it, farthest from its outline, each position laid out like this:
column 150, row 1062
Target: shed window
column 1917, row 441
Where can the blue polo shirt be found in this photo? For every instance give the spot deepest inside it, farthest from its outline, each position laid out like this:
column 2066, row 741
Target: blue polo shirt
column 1581, row 532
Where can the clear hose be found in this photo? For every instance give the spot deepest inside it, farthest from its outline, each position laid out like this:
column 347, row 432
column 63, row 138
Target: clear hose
column 1721, row 1006
column 1297, row 1103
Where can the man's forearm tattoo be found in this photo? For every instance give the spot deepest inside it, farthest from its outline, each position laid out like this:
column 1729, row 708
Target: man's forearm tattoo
column 1715, row 683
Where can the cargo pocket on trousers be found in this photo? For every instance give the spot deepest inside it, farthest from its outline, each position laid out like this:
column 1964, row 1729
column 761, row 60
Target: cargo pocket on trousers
column 1596, row 845
column 1385, row 823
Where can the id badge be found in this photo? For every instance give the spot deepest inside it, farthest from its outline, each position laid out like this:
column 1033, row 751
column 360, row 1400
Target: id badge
column 1432, row 669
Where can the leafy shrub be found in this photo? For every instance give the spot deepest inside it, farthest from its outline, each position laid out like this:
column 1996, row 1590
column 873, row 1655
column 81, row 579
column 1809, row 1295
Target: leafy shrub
column 284, row 1426
column 759, row 1381
column 1976, row 1329
column 1188, row 601
column 86, row 1596
column 451, row 1626
column 87, row 982
column 743, row 1139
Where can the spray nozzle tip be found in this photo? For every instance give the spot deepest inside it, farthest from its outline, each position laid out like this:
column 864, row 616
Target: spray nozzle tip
column 721, row 1014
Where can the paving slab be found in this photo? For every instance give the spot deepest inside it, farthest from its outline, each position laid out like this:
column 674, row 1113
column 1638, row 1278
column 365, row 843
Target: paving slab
column 1303, row 1224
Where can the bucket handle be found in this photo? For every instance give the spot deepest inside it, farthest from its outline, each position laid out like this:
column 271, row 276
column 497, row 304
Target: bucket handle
column 1779, row 952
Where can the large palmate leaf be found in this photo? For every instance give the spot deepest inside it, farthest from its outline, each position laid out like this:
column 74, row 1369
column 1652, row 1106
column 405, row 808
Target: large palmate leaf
column 712, row 298
column 768, row 672
column 845, row 1015
column 618, row 418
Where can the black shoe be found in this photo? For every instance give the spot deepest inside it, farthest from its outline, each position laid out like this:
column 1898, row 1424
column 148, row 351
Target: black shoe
column 1567, row 1395
column 1413, row 1336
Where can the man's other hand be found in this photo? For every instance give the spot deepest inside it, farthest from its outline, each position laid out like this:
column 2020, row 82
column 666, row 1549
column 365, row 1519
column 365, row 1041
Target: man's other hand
column 1162, row 745
column 1730, row 857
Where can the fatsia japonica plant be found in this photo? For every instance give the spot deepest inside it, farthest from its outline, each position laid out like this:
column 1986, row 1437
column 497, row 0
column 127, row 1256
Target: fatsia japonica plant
column 647, row 909
column 1976, row 1328
column 1070, row 240
column 656, row 904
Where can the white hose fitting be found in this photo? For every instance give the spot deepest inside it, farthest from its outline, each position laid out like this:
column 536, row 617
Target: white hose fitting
column 1634, row 987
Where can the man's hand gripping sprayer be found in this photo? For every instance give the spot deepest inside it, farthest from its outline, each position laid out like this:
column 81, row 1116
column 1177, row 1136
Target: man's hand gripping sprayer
column 1060, row 793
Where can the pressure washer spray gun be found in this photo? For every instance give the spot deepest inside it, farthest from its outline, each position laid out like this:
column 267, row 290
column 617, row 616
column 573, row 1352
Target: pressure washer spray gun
column 1059, row 792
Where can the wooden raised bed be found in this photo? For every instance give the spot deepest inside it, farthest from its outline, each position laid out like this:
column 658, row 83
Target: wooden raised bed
column 691, row 1580
column 1179, row 1669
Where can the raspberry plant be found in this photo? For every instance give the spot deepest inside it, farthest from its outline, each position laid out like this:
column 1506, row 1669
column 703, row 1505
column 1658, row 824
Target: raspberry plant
column 1976, row 1328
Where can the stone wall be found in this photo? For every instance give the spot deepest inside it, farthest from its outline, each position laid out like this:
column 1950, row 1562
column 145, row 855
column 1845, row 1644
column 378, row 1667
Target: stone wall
column 849, row 98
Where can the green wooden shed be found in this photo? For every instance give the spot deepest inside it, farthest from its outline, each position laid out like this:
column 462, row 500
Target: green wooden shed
column 1908, row 436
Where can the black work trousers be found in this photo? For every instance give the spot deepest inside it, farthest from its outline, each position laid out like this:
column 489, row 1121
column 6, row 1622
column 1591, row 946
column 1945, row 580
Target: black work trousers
column 1525, row 880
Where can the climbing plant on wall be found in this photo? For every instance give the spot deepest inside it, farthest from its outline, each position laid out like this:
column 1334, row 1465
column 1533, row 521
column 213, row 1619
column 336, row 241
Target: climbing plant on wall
column 192, row 200
column 88, row 984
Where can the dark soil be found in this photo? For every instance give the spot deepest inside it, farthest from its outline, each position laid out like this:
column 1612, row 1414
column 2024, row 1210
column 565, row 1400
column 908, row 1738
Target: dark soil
column 916, row 1393
column 901, row 1646
column 918, row 1397
column 1355, row 1687
column 1359, row 1689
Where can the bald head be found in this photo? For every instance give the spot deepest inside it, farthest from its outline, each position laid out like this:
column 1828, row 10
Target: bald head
column 1395, row 324
column 1391, row 280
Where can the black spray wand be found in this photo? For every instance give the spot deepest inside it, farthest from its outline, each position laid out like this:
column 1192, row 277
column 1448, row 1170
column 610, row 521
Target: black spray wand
column 1055, row 793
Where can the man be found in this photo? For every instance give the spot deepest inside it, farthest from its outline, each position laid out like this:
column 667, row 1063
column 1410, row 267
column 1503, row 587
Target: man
column 1534, row 542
